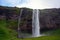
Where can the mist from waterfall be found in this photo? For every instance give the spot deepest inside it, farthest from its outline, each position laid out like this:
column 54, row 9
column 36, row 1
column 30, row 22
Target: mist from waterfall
column 35, row 23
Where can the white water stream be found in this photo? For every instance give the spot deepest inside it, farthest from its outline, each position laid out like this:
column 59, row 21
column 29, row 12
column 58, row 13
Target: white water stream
column 35, row 23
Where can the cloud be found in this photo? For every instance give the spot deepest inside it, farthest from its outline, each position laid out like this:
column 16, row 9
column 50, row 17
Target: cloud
column 39, row 4
column 35, row 4
column 13, row 2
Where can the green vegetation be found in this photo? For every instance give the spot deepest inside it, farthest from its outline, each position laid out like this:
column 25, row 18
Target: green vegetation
column 6, row 33
column 9, row 34
column 48, row 18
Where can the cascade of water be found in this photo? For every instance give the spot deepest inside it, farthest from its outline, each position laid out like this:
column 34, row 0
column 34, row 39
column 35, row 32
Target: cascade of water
column 19, row 19
column 35, row 23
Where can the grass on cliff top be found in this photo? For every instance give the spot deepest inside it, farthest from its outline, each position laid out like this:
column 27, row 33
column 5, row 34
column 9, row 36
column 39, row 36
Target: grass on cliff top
column 8, row 34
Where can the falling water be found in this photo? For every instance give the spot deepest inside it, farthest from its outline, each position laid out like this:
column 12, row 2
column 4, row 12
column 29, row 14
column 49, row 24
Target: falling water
column 35, row 23
column 19, row 19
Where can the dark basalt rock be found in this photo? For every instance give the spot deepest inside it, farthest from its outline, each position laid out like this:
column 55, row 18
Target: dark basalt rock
column 49, row 18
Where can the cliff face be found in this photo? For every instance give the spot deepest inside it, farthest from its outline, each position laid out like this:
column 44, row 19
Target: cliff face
column 49, row 18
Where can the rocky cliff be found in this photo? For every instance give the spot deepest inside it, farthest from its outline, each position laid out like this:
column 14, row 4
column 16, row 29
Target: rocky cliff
column 49, row 18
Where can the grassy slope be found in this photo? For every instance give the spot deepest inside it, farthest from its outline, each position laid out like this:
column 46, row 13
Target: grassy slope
column 8, row 34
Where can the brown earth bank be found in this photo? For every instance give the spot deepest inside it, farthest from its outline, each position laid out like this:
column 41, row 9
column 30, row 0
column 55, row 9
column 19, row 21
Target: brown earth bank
column 49, row 18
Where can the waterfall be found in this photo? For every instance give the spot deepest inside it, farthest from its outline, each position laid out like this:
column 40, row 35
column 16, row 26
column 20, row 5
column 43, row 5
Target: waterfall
column 35, row 23
column 19, row 19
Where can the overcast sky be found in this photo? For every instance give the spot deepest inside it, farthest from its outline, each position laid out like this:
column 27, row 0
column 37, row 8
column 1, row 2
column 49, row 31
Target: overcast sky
column 39, row 4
